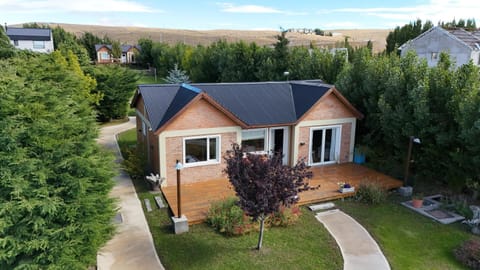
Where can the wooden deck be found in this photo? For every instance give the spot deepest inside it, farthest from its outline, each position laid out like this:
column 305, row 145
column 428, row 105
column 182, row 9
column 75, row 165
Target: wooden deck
column 197, row 197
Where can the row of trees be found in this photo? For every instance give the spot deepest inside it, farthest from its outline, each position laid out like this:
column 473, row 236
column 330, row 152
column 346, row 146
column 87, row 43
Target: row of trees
column 55, row 212
column 242, row 62
column 401, row 97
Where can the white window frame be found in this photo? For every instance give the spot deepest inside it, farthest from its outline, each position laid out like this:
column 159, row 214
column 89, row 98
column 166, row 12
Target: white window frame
column 338, row 140
column 266, row 143
column 208, row 161
column 434, row 55
column 39, row 44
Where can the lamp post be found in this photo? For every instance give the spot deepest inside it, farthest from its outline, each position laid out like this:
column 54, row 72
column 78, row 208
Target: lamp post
column 412, row 140
column 178, row 167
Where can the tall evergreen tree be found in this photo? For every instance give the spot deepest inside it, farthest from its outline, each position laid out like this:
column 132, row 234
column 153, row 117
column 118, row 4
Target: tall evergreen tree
column 55, row 212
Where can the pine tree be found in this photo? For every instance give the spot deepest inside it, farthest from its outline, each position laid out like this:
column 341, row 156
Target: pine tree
column 55, row 211
column 177, row 76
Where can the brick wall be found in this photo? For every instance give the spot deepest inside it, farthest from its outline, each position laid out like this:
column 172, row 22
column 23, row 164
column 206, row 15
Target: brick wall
column 328, row 108
column 174, row 149
column 200, row 115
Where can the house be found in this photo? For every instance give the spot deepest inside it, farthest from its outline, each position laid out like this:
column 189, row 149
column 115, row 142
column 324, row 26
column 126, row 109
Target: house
column 462, row 45
column 34, row 39
column 104, row 53
column 196, row 124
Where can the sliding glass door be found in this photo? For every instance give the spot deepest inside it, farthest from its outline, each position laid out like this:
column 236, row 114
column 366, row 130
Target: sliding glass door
column 324, row 145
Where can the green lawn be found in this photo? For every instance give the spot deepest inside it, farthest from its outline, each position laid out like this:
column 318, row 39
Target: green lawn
column 306, row 245
column 148, row 79
column 408, row 240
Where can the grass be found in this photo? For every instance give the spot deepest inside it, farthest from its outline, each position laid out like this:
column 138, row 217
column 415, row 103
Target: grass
column 305, row 245
column 148, row 79
column 409, row 240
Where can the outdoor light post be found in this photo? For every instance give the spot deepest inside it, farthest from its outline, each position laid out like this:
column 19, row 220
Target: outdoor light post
column 178, row 167
column 180, row 222
column 412, row 140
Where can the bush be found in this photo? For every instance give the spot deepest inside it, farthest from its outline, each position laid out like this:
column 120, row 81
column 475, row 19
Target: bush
column 370, row 193
column 469, row 253
column 284, row 217
column 229, row 219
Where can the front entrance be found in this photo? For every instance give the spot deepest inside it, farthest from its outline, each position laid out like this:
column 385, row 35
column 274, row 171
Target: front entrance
column 324, row 145
column 279, row 142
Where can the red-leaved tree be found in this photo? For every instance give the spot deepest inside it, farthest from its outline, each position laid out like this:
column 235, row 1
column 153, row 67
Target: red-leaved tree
column 263, row 184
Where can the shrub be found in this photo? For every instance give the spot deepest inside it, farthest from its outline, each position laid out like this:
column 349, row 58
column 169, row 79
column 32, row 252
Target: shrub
column 284, row 217
column 134, row 161
column 469, row 253
column 227, row 217
column 370, row 193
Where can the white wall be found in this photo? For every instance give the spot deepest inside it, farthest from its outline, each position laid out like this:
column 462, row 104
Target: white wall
column 437, row 41
column 28, row 45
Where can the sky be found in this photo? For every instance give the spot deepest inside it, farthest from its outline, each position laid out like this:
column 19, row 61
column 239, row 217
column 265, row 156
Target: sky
column 239, row 14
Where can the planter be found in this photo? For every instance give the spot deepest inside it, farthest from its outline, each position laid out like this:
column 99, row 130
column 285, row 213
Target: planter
column 417, row 203
column 347, row 190
column 359, row 158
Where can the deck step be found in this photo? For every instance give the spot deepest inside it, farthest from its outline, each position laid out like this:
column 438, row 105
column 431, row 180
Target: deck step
column 159, row 201
column 147, row 205
column 322, row 206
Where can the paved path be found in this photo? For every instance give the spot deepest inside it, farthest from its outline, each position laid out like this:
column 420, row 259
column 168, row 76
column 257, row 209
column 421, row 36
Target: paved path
column 132, row 246
column 358, row 248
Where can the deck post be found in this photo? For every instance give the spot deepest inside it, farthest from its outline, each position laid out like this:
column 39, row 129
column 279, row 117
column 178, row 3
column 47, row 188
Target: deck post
column 178, row 167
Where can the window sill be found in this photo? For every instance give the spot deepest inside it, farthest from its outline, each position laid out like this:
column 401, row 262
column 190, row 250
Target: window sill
column 203, row 163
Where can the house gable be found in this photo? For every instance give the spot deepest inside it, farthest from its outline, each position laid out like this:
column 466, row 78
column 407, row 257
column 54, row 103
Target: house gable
column 198, row 115
column 331, row 106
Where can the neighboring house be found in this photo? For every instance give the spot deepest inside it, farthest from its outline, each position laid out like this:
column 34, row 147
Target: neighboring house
column 462, row 45
column 34, row 39
column 197, row 123
column 104, row 53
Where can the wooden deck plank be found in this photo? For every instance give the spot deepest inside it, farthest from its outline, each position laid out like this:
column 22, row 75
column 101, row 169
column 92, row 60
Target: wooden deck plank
column 197, row 197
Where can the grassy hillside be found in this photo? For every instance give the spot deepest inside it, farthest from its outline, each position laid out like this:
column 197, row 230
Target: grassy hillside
column 127, row 34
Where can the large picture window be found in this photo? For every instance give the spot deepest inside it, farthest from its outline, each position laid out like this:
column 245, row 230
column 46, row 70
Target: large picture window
column 254, row 140
column 201, row 150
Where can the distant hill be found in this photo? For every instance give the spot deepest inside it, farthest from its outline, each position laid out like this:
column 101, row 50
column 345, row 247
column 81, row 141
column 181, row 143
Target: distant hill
column 127, row 34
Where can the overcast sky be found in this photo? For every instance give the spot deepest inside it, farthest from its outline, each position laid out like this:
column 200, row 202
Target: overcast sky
column 249, row 15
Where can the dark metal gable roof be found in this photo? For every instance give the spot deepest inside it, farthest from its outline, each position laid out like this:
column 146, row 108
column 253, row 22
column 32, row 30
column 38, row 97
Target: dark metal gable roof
column 37, row 34
column 306, row 95
column 255, row 104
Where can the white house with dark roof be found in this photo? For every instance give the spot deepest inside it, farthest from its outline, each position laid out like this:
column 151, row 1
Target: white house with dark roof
column 33, row 39
column 197, row 123
column 462, row 45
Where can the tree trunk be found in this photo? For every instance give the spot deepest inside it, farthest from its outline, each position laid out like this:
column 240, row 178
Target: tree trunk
column 260, row 236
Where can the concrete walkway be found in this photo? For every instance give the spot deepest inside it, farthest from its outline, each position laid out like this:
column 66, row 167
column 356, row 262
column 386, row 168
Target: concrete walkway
column 132, row 246
column 358, row 248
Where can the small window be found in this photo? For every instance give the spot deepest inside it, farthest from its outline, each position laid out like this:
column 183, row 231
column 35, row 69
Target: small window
column 38, row 44
column 434, row 55
column 201, row 150
column 15, row 42
column 254, row 140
